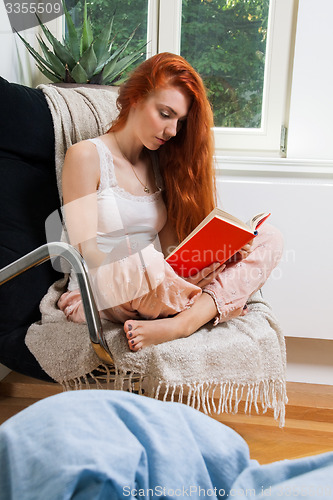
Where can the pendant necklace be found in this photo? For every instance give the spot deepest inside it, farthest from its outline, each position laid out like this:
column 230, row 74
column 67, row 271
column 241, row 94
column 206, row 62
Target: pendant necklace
column 145, row 186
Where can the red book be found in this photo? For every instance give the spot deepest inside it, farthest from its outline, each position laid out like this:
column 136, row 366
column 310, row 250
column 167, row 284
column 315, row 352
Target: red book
column 217, row 238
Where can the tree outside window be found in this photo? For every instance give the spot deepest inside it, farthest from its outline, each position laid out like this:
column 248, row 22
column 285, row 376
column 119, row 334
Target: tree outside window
column 225, row 40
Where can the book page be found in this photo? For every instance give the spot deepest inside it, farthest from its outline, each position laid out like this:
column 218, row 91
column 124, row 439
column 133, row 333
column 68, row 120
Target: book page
column 257, row 220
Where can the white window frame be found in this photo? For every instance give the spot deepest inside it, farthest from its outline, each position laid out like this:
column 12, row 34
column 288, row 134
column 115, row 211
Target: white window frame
column 164, row 35
column 263, row 141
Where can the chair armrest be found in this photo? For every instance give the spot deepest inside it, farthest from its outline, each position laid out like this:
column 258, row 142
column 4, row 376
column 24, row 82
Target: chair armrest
column 74, row 258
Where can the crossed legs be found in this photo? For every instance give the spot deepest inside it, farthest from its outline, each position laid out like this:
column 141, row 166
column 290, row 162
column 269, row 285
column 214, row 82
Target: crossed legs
column 142, row 333
column 225, row 298
column 186, row 309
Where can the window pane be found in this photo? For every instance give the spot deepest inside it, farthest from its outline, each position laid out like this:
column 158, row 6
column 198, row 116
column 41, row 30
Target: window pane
column 225, row 40
column 128, row 15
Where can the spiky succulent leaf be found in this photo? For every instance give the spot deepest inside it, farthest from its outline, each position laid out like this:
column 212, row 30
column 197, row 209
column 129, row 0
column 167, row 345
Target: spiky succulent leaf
column 109, row 66
column 102, row 44
column 87, row 34
column 59, row 49
column 35, row 54
column 55, row 63
column 78, row 74
column 105, row 58
column 88, row 62
column 97, row 79
column 123, row 47
column 120, row 67
column 81, row 58
column 73, row 39
column 68, row 77
column 51, row 76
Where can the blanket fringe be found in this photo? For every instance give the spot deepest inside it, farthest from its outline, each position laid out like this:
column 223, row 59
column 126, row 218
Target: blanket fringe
column 269, row 394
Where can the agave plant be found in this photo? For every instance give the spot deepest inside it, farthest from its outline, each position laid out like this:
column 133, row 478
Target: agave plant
column 81, row 58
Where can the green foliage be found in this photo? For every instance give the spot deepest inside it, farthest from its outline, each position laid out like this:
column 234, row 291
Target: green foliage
column 83, row 58
column 225, row 40
column 127, row 15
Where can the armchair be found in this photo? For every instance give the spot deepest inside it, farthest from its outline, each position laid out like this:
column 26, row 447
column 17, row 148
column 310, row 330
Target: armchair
column 242, row 359
column 28, row 193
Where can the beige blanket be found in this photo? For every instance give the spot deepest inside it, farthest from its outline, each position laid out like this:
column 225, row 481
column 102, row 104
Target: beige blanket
column 244, row 358
column 78, row 113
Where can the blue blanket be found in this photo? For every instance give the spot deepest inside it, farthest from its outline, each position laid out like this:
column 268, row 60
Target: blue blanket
column 88, row 445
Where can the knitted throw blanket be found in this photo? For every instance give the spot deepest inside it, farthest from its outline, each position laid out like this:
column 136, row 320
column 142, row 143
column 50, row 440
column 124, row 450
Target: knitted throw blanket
column 78, row 113
column 243, row 359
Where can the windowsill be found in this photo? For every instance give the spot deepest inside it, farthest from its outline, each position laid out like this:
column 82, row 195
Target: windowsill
column 279, row 166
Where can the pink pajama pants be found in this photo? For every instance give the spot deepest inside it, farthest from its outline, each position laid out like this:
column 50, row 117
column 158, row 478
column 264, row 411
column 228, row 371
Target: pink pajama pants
column 171, row 294
column 239, row 280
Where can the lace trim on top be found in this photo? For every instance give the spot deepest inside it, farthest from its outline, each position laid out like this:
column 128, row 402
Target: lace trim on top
column 108, row 177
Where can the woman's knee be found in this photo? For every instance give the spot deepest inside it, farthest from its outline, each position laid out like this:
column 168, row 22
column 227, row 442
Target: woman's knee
column 271, row 239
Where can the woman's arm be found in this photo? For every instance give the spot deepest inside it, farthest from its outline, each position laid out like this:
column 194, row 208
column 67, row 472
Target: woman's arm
column 80, row 179
column 168, row 239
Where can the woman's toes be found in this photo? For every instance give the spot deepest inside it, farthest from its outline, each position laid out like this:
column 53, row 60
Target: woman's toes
column 137, row 347
column 130, row 345
column 128, row 326
column 134, row 342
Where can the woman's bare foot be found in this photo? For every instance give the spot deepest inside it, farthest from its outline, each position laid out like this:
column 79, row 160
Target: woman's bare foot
column 142, row 333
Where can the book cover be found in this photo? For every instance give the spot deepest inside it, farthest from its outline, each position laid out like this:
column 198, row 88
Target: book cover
column 217, row 238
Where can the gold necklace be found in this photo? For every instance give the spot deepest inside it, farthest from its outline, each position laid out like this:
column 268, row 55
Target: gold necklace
column 145, row 186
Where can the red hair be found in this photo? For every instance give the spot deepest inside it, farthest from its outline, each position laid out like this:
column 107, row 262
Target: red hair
column 186, row 160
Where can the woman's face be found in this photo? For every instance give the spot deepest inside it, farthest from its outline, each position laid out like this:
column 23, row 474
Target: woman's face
column 159, row 117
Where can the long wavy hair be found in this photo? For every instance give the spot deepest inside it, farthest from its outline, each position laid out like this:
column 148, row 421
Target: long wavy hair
column 186, row 160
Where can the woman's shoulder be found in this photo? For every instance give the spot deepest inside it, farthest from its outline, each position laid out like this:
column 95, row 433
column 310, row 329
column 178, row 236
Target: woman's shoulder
column 82, row 162
column 82, row 150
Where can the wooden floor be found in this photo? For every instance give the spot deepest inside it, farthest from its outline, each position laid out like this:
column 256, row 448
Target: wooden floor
column 308, row 429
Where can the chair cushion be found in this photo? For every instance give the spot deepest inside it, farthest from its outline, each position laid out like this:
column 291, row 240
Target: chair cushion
column 28, row 194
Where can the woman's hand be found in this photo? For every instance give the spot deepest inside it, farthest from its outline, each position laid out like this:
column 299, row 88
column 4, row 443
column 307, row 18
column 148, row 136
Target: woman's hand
column 242, row 253
column 206, row 275
column 246, row 250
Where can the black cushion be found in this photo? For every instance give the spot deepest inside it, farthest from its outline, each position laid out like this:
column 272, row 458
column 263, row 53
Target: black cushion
column 28, row 194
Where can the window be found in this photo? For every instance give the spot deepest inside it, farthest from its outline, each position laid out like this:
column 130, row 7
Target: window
column 232, row 36
column 242, row 49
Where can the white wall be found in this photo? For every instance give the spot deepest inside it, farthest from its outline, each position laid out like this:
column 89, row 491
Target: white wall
column 311, row 126
column 309, row 361
column 15, row 63
column 300, row 289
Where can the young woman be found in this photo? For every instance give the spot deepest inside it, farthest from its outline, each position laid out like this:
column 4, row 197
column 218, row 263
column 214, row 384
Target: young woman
column 148, row 181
